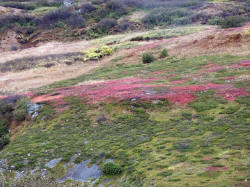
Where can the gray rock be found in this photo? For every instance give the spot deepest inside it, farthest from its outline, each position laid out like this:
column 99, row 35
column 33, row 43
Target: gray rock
column 81, row 172
column 33, row 109
column 52, row 163
column 68, row 3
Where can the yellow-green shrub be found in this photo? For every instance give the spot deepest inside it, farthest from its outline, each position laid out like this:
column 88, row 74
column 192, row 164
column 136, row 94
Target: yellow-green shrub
column 97, row 53
column 247, row 31
column 105, row 50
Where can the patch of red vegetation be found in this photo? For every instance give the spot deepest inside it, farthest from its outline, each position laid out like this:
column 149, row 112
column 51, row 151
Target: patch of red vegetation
column 129, row 88
column 245, row 62
column 231, row 94
column 213, row 168
column 241, row 64
column 227, row 78
column 211, row 68
column 197, row 88
column 3, row 97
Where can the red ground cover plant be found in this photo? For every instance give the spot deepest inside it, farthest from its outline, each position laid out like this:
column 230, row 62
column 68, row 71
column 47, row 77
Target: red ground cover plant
column 232, row 94
column 128, row 88
column 211, row 68
column 144, row 88
column 3, row 97
column 227, row 78
column 245, row 62
column 241, row 64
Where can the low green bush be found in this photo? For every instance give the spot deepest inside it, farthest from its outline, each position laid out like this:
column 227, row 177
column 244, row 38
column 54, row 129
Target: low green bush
column 21, row 112
column 232, row 21
column 105, row 25
column 148, row 58
column 5, row 107
column 110, row 168
column 161, row 16
column 3, row 126
column 228, row 22
column 164, row 53
column 20, row 115
column 4, row 140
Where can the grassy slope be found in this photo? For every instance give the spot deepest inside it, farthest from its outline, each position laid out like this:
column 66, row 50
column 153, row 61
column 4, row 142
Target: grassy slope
column 204, row 143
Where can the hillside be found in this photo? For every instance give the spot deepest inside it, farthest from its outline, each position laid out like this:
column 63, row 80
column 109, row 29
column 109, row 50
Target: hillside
column 124, row 93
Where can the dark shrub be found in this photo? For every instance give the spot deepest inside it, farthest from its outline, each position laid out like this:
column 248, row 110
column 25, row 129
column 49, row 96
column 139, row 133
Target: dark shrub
column 106, row 24
column 164, row 53
column 47, row 3
column 5, row 107
column 21, row 112
column 4, row 140
column 76, row 21
column 54, row 16
column 110, row 168
column 133, row 3
column 215, row 21
column 232, row 21
column 87, row 8
column 147, row 58
column 166, row 16
column 232, row 11
column 116, row 8
column 137, row 38
column 200, row 17
column 20, row 115
column 19, row 5
column 124, row 25
column 98, row 2
column 3, row 126
column 10, row 21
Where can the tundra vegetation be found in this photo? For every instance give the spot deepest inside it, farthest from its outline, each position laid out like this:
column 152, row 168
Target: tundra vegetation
column 165, row 102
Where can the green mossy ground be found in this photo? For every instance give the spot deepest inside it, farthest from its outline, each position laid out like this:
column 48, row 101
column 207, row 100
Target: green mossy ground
column 177, row 151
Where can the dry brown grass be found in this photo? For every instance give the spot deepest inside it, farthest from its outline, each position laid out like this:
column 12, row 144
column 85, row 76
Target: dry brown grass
column 18, row 82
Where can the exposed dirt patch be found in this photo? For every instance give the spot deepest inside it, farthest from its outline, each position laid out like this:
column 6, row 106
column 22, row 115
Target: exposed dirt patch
column 17, row 82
